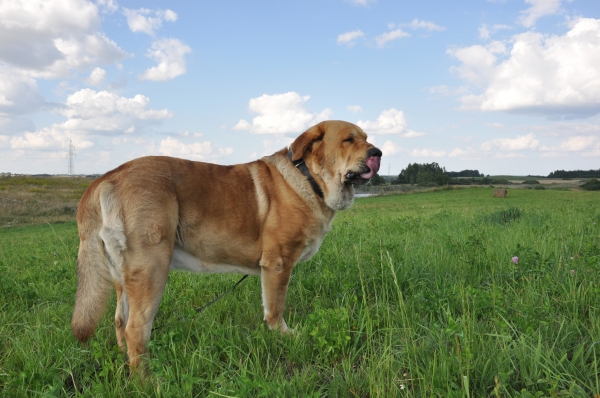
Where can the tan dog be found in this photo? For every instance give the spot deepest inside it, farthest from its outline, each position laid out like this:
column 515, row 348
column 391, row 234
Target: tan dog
column 154, row 214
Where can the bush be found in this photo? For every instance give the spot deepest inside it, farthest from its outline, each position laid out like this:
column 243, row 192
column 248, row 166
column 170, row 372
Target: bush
column 592, row 185
column 429, row 184
column 530, row 182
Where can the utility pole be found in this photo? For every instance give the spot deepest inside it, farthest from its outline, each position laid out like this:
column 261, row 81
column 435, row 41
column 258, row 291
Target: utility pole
column 71, row 161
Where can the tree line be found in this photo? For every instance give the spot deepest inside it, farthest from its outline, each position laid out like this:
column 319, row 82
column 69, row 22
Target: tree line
column 432, row 174
column 575, row 174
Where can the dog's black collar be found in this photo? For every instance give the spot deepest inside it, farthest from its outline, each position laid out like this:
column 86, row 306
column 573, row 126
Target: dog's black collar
column 300, row 165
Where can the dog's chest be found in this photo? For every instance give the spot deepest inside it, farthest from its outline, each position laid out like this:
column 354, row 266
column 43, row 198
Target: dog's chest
column 313, row 245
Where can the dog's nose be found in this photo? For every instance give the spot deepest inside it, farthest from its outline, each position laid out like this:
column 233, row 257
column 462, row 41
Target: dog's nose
column 374, row 152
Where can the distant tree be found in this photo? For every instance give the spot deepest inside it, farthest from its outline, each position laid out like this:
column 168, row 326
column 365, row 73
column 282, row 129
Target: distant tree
column 575, row 174
column 416, row 173
column 377, row 180
column 465, row 173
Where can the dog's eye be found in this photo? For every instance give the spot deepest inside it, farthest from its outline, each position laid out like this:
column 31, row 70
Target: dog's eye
column 349, row 139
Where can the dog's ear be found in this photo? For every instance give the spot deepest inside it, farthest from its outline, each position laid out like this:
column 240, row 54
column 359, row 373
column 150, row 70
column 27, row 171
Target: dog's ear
column 302, row 143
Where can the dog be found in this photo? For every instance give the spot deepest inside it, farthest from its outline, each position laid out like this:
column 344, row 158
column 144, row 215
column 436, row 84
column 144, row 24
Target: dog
column 157, row 213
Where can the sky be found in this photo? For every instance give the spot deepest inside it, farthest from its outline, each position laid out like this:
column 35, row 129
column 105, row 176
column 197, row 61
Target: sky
column 502, row 86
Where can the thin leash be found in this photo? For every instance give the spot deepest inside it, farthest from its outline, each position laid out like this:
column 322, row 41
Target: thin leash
column 205, row 306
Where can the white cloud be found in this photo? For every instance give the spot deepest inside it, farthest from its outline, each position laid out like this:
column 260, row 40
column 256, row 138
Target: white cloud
column 390, row 36
column 427, row 153
column 92, row 113
column 349, row 38
column 354, row 108
column 44, row 39
column 108, row 6
column 97, row 76
column 49, row 138
column 465, row 154
column 443, row 90
column 389, row 148
column 390, row 121
column 103, row 111
column 548, row 74
column 196, row 151
column 574, row 144
column 361, row 2
column 280, row 114
column 538, row 9
column 147, row 21
column 418, row 24
column 485, row 32
column 19, row 93
column 522, row 142
column 170, row 55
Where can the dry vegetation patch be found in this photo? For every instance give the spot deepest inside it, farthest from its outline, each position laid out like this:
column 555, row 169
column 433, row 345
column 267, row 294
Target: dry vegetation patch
column 37, row 200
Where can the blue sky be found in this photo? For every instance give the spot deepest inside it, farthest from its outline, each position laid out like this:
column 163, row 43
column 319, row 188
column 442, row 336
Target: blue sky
column 505, row 87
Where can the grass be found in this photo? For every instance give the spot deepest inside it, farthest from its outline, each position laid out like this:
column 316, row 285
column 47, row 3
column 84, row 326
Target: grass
column 410, row 295
column 37, row 200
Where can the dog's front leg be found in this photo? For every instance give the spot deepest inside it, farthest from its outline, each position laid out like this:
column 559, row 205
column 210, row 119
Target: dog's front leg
column 275, row 276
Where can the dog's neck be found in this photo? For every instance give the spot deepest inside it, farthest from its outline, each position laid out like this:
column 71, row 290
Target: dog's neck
column 301, row 165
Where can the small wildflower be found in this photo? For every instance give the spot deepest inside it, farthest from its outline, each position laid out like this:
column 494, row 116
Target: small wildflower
column 402, row 386
column 571, row 258
column 515, row 260
column 572, row 272
column 56, row 262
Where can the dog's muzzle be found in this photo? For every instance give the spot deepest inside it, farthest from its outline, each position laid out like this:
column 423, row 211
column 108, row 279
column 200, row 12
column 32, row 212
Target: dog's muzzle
column 368, row 170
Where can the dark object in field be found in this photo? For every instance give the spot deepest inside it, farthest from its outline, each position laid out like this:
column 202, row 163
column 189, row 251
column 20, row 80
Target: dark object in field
column 530, row 182
column 500, row 193
column 591, row 185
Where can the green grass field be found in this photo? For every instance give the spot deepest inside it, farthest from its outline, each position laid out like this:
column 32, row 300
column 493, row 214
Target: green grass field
column 410, row 295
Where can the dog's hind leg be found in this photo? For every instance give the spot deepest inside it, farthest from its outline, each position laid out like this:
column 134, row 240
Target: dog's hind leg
column 146, row 271
column 121, row 314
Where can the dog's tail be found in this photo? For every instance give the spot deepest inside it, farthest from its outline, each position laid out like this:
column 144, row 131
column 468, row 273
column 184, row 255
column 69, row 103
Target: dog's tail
column 99, row 262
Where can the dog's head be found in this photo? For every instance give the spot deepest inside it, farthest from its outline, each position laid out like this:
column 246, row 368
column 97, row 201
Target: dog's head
column 339, row 157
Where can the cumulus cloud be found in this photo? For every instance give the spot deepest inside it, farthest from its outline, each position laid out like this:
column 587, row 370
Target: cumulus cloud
column 389, row 148
column 108, row 6
column 419, row 24
column 49, row 138
column 19, row 93
column 280, row 114
column 354, row 108
column 42, row 38
column 97, row 76
column 485, row 32
column 349, row 38
column 465, row 154
column 390, row 121
column 549, row 74
column 385, row 38
column 92, row 113
column 170, row 55
column 538, row 9
column 195, row 151
column 147, row 21
column 574, row 144
column 427, row 153
column 522, row 142
column 103, row 111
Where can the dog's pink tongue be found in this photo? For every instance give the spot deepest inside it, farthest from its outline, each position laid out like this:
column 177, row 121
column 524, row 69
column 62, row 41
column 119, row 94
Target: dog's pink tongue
column 373, row 164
